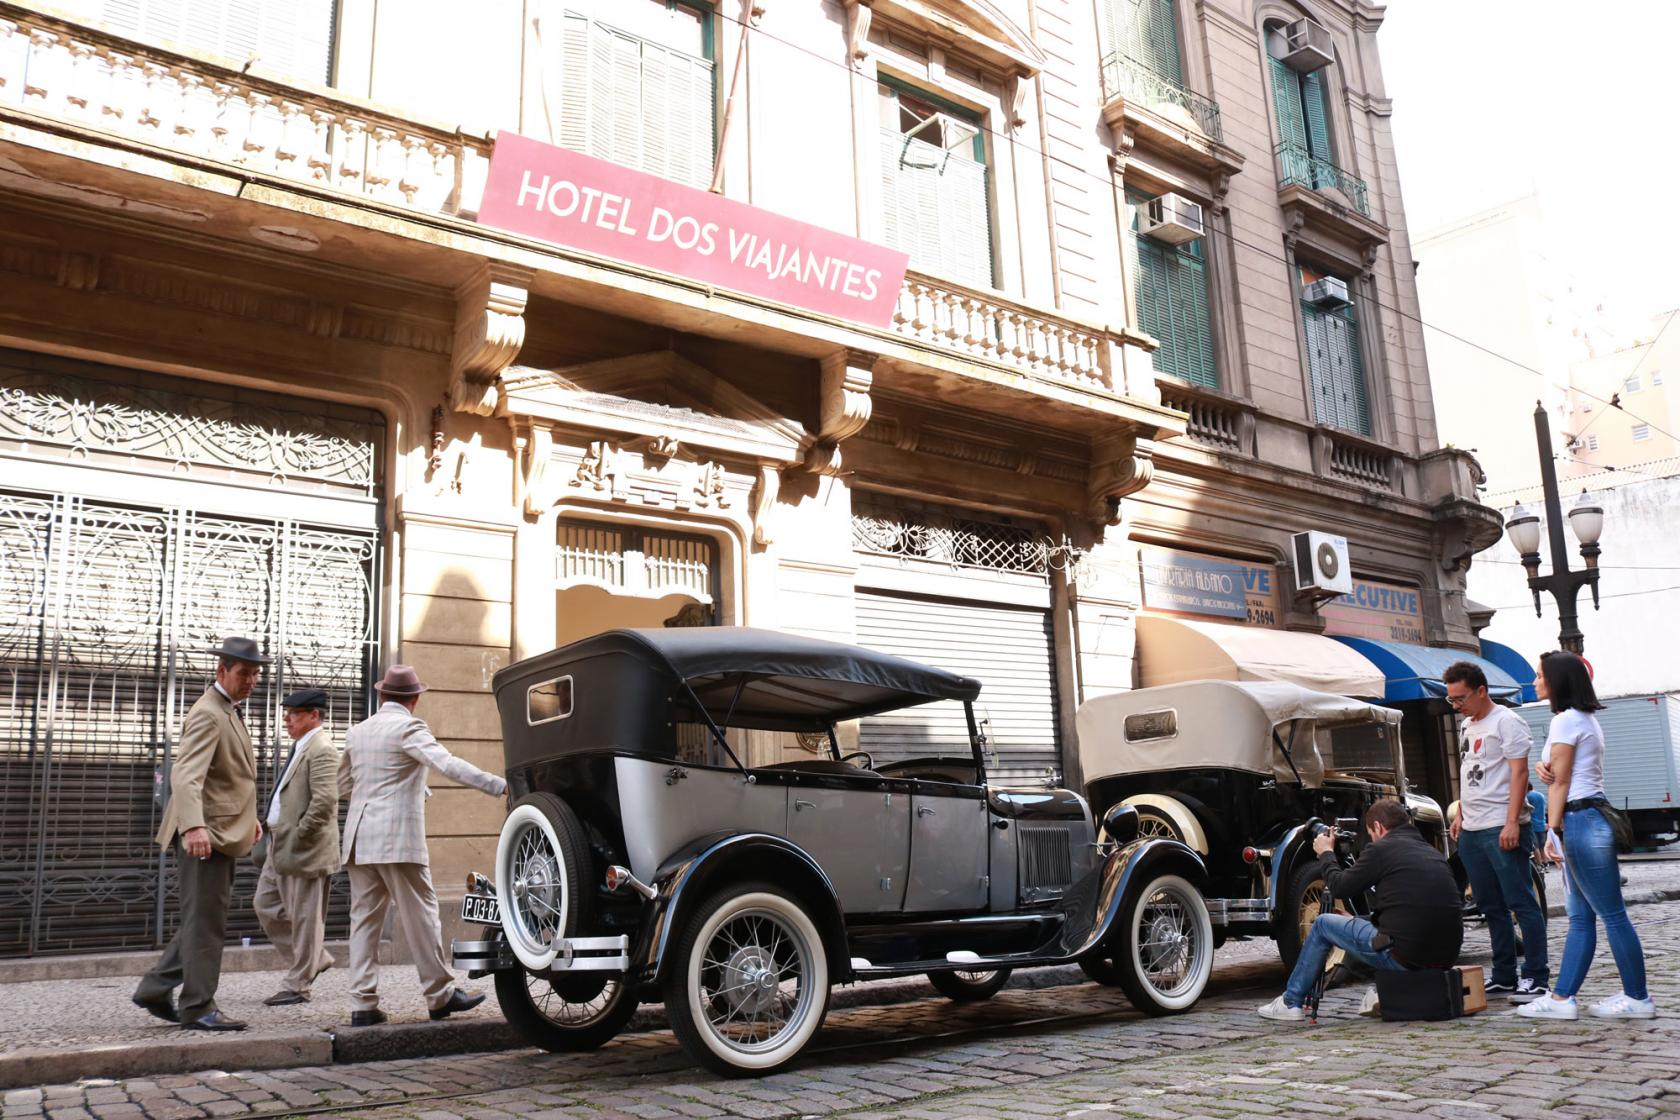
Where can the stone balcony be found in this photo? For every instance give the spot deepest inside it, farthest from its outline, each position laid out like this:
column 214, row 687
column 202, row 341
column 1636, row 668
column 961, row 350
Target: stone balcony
column 324, row 157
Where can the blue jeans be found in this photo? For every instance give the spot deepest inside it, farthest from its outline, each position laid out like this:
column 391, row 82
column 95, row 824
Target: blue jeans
column 1503, row 887
column 1335, row 931
column 1595, row 892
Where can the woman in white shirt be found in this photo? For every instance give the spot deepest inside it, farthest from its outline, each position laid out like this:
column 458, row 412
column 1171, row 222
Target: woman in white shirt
column 1572, row 763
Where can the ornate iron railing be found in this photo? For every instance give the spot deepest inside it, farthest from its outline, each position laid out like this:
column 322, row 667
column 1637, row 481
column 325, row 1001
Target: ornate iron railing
column 985, row 325
column 1125, row 77
column 101, row 81
column 1297, row 166
column 912, row 531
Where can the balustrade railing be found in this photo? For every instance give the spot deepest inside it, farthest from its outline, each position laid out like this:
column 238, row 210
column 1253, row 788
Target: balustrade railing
column 1297, row 166
column 984, row 325
column 1213, row 423
column 1366, row 466
column 1127, row 78
column 83, row 76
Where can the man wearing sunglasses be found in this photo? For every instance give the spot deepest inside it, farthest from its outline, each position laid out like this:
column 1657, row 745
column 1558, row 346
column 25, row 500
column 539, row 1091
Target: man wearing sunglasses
column 1492, row 830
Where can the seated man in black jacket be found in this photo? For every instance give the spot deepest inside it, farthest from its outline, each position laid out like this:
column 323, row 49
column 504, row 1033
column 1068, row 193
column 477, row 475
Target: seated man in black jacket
column 1417, row 921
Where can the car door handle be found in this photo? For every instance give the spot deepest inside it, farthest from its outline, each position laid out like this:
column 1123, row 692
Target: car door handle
column 800, row 803
column 924, row 811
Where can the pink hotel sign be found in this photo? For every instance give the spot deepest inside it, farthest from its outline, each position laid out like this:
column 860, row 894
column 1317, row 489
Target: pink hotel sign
column 584, row 203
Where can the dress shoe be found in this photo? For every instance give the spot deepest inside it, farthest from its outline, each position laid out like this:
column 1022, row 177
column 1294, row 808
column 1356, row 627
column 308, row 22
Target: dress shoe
column 284, row 998
column 214, row 1021
column 367, row 1018
column 161, row 1007
column 458, row 1001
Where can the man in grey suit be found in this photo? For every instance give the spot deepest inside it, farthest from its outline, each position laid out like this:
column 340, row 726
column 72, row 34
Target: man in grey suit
column 213, row 809
column 383, row 773
column 291, row 898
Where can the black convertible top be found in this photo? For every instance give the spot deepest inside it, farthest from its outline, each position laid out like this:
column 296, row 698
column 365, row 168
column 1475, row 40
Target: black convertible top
column 743, row 677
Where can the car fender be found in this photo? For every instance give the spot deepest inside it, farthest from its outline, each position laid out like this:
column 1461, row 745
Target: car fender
column 1285, row 855
column 690, row 875
column 1127, row 867
column 1181, row 815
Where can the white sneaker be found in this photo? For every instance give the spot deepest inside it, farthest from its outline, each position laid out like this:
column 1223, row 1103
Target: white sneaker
column 1527, row 990
column 1623, row 1006
column 1369, row 1006
column 1550, row 1008
column 1281, row 1011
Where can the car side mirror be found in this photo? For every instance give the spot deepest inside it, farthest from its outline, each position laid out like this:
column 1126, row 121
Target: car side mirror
column 1120, row 824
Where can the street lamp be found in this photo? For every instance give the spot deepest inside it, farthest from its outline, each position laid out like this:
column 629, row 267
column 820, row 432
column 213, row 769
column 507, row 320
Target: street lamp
column 1586, row 520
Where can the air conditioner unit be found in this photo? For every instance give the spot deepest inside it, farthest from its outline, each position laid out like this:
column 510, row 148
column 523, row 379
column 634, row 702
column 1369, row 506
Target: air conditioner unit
column 1171, row 218
column 1306, row 46
column 1321, row 563
column 1328, row 292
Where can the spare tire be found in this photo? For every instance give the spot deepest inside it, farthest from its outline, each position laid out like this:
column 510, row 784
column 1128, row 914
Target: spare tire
column 543, row 872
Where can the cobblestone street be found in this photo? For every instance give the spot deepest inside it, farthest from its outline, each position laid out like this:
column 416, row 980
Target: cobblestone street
column 1072, row 1049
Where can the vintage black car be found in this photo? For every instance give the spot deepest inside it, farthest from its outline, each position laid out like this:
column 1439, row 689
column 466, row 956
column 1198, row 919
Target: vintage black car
column 642, row 861
column 1240, row 771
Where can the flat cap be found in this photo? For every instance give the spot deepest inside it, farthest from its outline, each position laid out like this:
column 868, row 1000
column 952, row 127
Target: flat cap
column 306, row 698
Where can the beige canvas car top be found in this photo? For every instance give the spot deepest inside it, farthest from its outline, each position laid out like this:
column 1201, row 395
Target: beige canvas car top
column 1221, row 724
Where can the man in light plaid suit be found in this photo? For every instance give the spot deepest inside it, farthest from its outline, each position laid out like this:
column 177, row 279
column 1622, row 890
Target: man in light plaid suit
column 383, row 773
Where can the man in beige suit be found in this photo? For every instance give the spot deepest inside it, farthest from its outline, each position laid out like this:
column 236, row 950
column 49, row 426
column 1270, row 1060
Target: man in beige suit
column 291, row 899
column 213, row 808
column 383, row 772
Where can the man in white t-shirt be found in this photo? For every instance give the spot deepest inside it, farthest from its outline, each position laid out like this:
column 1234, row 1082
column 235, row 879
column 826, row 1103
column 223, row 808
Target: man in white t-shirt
column 1492, row 832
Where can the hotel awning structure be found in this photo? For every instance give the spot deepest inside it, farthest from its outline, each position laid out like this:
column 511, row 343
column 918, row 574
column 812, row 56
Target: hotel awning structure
column 1520, row 668
column 1171, row 650
column 1414, row 672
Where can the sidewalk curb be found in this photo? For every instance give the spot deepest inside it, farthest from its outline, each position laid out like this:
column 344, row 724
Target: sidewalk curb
column 24, row 1068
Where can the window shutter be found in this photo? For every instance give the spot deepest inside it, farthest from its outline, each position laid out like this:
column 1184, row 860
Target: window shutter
column 1158, row 36
column 659, row 135
column 894, row 227
column 1317, row 115
column 694, row 127
column 967, row 236
column 1286, row 99
column 1319, row 365
column 576, row 78
column 289, row 37
column 1190, row 301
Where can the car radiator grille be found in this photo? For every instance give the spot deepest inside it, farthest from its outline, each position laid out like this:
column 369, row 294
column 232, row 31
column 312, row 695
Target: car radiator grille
column 1046, row 858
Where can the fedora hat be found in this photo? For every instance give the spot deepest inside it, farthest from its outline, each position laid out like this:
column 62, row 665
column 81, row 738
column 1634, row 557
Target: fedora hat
column 400, row 680
column 306, row 698
column 242, row 649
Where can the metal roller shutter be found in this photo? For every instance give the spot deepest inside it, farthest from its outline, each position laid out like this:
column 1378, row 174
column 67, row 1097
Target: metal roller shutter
column 1010, row 650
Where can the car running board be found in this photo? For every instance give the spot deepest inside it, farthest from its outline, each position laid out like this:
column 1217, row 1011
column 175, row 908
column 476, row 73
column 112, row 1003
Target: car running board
column 961, row 959
column 1223, row 911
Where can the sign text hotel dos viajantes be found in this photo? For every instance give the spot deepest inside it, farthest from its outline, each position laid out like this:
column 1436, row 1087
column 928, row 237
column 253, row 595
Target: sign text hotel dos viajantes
column 584, row 203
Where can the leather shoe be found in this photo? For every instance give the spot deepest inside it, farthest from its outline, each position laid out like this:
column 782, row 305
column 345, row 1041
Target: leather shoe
column 458, row 1001
column 285, row 998
column 367, row 1018
column 162, row 1007
column 214, row 1021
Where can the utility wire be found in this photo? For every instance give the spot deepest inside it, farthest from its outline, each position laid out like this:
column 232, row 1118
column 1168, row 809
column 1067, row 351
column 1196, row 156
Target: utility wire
column 1616, row 396
column 1262, row 249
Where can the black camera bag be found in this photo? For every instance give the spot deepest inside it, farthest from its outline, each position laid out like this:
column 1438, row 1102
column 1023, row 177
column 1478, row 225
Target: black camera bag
column 1426, row 994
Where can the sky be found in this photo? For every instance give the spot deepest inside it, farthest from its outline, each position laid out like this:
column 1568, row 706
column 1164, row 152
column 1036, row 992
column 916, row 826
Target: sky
column 1578, row 103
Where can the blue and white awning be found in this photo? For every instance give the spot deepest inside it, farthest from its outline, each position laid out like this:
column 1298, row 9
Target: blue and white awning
column 1414, row 672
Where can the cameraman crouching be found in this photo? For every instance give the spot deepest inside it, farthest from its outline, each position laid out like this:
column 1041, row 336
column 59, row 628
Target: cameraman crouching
column 1418, row 921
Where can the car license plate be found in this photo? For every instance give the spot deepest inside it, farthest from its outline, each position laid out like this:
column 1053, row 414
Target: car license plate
column 481, row 908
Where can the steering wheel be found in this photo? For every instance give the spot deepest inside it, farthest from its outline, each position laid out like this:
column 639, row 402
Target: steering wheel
column 868, row 762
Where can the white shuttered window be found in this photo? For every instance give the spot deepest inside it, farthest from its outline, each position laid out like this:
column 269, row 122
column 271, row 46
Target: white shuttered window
column 936, row 189
column 291, row 38
column 628, row 98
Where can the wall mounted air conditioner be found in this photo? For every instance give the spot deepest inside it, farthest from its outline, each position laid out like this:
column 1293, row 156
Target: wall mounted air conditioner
column 1328, row 292
column 1321, row 563
column 1306, row 46
column 1171, row 218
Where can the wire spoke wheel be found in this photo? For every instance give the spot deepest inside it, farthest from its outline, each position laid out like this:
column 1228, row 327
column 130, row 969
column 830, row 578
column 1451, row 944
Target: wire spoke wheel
column 1165, row 954
column 541, row 857
column 750, row 986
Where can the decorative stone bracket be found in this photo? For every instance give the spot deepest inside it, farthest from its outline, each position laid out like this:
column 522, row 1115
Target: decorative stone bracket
column 489, row 331
column 847, row 377
column 1121, row 465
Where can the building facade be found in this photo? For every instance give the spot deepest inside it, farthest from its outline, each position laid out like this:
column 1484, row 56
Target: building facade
column 267, row 372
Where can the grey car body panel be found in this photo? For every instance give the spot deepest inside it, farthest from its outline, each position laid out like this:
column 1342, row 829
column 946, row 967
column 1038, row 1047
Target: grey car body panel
column 948, row 854
column 861, row 837
column 665, row 806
